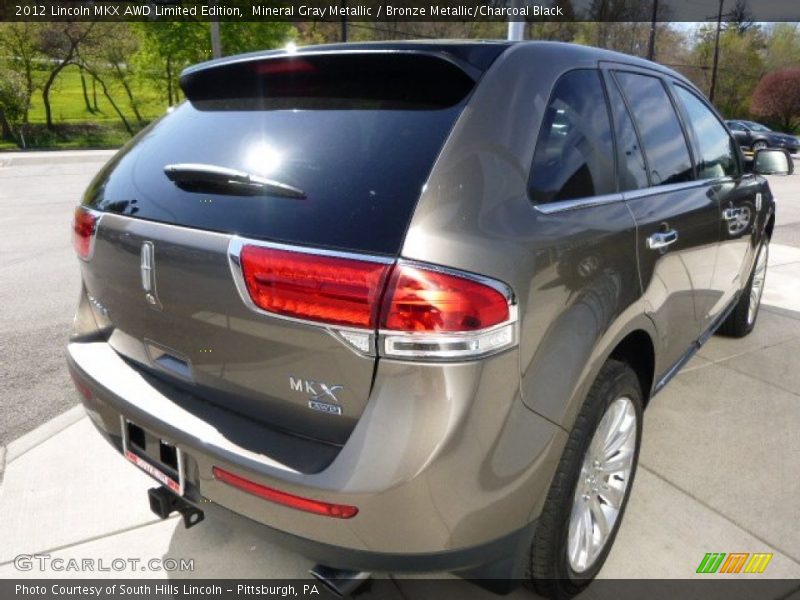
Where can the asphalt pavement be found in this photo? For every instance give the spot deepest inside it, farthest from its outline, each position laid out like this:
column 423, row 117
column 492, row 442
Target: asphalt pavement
column 718, row 467
column 39, row 282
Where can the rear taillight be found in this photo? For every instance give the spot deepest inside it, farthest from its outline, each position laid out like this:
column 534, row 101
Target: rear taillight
column 84, row 227
column 328, row 289
column 430, row 313
column 421, row 299
column 416, row 310
column 327, row 509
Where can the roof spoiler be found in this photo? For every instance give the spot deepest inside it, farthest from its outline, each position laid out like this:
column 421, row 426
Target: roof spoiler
column 471, row 59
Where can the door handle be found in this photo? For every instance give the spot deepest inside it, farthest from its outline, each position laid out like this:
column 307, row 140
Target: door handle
column 662, row 240
column 731, row 214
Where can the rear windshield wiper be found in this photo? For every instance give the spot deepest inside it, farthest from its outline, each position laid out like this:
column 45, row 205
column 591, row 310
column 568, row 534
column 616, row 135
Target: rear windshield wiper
column 211, row 178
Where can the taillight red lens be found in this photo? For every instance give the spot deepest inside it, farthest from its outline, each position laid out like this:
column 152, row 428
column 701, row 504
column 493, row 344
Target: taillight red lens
column 340, row 291
column 424, row 300
column 339, row 511
column 84, row 226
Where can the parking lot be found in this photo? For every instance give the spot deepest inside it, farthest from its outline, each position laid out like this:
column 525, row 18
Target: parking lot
column 719, row 464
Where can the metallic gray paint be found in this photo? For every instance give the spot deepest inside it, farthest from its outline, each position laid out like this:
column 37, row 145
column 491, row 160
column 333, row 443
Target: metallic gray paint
column 436, row 456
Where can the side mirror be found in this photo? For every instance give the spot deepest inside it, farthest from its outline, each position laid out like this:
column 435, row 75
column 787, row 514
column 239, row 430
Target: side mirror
column 773, row 162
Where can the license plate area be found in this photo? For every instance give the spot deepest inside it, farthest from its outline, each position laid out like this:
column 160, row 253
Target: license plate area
column 156, row 457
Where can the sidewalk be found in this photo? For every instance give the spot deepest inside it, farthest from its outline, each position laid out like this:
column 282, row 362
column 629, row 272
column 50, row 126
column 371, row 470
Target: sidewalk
column 13, row 159
column 718, row 473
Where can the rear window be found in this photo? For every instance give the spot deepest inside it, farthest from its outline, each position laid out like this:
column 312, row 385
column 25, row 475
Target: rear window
column 358, row 134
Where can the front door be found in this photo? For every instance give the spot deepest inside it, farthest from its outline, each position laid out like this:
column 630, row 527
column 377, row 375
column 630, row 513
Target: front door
column 677, row 219
column 737, row 196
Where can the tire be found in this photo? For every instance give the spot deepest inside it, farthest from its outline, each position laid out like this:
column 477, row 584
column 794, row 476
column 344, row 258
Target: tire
column 552, row 565
column 742, row 319
column 759, row 145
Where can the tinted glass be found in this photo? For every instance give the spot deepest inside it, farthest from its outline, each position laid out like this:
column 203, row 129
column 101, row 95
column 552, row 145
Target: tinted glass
column 716, row 147
column 574, row 155
column 360, row 156
column 664, row 144
column 632, row 168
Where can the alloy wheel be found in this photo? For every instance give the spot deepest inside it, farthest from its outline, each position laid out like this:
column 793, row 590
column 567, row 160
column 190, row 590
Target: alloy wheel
column 603, row 484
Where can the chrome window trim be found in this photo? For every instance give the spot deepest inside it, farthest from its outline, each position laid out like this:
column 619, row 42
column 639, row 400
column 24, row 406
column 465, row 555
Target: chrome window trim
column 606, row 199
column 674, row 187
column 559, row 206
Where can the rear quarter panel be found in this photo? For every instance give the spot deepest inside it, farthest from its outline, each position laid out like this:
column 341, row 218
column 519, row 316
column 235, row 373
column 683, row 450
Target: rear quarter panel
column 475, row 215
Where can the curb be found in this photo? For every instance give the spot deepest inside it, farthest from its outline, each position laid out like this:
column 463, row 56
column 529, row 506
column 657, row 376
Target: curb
column 42, row 433
column 14, row 159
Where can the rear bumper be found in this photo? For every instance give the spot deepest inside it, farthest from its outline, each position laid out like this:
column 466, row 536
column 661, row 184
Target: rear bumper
column 467, row 502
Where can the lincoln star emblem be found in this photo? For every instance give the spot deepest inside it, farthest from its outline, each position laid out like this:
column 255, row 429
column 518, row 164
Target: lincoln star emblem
column 148, row 270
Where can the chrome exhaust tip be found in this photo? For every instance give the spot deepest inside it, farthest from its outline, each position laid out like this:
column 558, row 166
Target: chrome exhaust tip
column 340, row 582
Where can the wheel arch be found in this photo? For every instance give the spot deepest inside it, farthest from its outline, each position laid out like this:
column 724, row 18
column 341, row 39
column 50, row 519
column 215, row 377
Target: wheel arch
column 636, row 349
column 770, row 226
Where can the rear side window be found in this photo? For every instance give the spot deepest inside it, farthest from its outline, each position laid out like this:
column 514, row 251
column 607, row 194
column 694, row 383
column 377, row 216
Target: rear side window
column 717, row 157
column 574, row 156
column 662, row 137
column 630, row 161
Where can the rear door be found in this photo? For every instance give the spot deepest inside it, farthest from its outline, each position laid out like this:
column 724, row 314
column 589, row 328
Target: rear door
column 316, row 162
column 677, row 220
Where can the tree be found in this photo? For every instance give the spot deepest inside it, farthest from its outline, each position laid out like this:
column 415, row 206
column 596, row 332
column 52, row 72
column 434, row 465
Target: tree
column 13, row 102
column 782, row 46
column 19, row 42
column 777, row 96
column 740, row 67
column 740, row 18
column 60, row 44
column 248, row 37
column 166, row 47
column 109, row 58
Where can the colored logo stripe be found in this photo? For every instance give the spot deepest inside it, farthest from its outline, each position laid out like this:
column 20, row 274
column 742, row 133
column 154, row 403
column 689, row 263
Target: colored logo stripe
column 734, row 562
column 714, row 562
column 757, row 563
column 711, row 562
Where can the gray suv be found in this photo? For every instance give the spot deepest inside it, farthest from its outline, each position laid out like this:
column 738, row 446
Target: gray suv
column 401, row 305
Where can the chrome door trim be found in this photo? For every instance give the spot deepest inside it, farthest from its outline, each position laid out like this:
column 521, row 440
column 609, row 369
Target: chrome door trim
column 550, row 208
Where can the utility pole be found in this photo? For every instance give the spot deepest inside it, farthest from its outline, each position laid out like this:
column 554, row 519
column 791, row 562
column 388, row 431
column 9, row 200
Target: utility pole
column 216, row 42
column 344, row 20
column 716, row 55
column 651, row 47
column 516, row 29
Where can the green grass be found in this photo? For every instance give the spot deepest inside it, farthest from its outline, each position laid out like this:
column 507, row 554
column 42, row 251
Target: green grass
column 68, row 105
